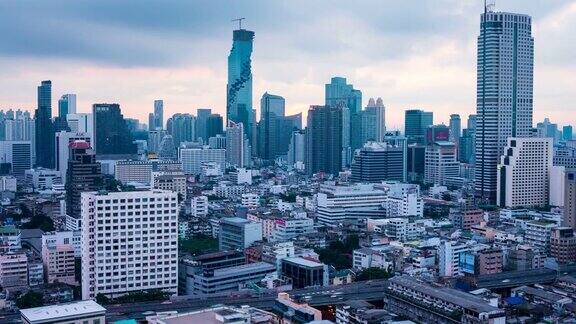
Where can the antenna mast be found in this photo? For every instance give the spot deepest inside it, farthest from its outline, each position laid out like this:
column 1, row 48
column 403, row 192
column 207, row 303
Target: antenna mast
column 239, row 20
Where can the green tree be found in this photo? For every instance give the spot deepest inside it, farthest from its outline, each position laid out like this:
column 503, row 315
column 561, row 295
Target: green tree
column 29, row 300
column 373, row 273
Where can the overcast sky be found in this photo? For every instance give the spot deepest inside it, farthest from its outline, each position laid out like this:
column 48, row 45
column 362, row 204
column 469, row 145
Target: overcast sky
column 412, row 53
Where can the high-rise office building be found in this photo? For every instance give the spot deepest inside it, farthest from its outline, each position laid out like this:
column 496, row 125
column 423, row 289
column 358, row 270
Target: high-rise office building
column 466, row 147
column 441, row 162
column 83, row 174
column 380, row 161
column 270, row 126
column 296, row 152
column 143, row 252
column 567, row 133
column 569, row 216
column 81, row 123
column 44, row 127
column 62, row 146
column 167, row 149
column 455, row 130
column 181, row 127
column 437, row 133
column 16, row 154
column 66, row 105
column 235, row 146
column 239, row 88
column 202, row 115
column 373, row 122
column 156, row 119
column 524, row 173
column 505, row 61
column 340, row 94
column 416, row 122
column 214, row 126
column 324, row 140
column 111, row 134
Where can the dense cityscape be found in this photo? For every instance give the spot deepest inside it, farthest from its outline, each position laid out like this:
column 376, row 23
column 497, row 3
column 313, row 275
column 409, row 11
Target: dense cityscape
column 204, row 218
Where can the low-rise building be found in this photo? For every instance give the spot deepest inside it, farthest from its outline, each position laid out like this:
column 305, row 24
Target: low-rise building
column 230, row 278
column 80, row 312
column 199, row 206
column 423, row 303
column 563, row 244
column 13, row 271
column 304, row 273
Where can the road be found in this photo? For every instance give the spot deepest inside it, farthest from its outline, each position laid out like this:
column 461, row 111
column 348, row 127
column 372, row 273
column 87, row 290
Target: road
column 317, row 296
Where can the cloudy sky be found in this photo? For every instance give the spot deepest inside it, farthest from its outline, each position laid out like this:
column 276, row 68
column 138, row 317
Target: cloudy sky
column 412, row 53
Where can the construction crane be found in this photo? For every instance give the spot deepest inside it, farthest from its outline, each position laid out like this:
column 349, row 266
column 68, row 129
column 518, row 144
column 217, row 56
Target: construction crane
column 239, row 20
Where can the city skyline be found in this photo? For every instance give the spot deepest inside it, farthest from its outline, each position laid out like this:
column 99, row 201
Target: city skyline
column 394, row 59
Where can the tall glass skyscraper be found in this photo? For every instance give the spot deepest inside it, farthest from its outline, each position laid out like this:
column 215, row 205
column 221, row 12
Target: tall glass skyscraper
column 504, row 92
column 66, row 105
column 272, row 110
column 239, row 88
column 44, row 127
column 111, row 133
column 416, row 122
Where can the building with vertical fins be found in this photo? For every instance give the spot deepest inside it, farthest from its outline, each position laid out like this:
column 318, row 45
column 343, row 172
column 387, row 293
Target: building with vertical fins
column 504, row 92
column 239, row 88
column 324, row 140
column 270, row 127
column 416, row 122
column 235, row 146
column 44, row 127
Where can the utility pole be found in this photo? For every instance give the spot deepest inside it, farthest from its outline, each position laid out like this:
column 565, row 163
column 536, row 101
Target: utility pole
column 239, row 20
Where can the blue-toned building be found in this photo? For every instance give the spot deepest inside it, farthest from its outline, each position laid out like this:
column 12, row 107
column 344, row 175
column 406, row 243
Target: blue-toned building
column 239, row 88
column 44, row 127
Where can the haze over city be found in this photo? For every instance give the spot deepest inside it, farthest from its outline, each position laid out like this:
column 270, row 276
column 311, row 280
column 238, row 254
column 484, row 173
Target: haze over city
column 413, row 54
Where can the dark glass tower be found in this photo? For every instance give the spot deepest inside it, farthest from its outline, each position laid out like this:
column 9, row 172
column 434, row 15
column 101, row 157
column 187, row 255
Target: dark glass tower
column 239, row 88
column 111, row 132
column 83, row 174
column 214, row 126
column 44, row 127
column 416, row 123
column 324, row 140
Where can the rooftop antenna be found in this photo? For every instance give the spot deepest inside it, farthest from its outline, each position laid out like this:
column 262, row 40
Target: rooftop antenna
column 489, row 5
column 239, row 20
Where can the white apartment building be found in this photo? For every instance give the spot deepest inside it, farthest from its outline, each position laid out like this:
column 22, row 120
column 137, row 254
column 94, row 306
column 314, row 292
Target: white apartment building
column 127, row 171
column 42, row 179
column 170, row 180
column 13, row 271
column 193, row 158
column 557, row 185
column 58, row 258
column 538, row 233
column 250, row 200
column 289, row 228
column 401, row 229
column 409, row 204
column 8, row 183
column 449, row 257
column 224, row 190
column 73, row 238
column 524, row 173
column 275, row 252
column 129, row 242
column 336, row 203
column 440, row 162
column 199, row 206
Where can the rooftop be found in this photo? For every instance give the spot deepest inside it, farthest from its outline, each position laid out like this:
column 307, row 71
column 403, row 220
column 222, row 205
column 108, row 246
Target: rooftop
column 304, row 262
column 453, row 296
column 62, row 311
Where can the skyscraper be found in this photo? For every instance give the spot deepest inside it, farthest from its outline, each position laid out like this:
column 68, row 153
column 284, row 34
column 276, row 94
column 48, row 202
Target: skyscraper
column 567, row 133
column 380, row 161
column 239, row 88
column 338, row 93
column 455, row 129
column 66, row 105
column 235, row 137
column 270, row 127
column 83, row 174
column 202, row 115
column 182, row 128
column 416, row 123
column 44, row 127
column 214, row 126
column 159, row 114
column 111, row 134
column 569, row 214
column 324, row 140
column 373, row 124
column 504, row 92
